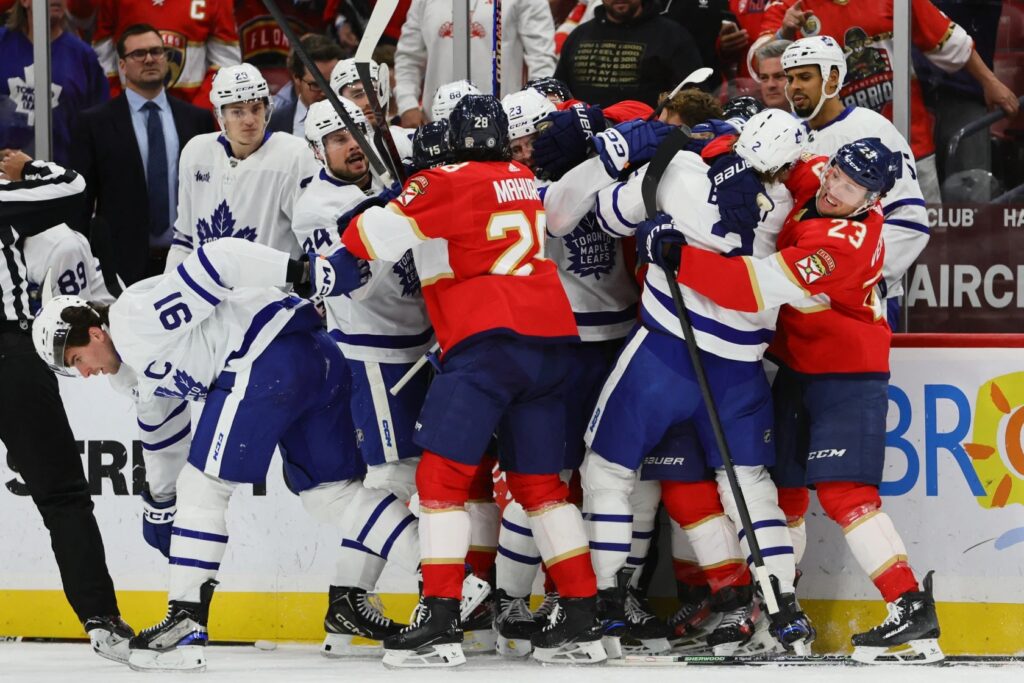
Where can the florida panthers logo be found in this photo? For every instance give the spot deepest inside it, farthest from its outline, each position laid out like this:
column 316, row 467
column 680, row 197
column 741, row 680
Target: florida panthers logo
column 405, row 271
column 591, row 251
column 222, row 224
column 177, row 53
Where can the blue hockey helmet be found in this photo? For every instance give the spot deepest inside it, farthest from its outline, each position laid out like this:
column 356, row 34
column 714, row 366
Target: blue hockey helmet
column 550, row 86
column 478, row 130
column 744, row 107
column 869, row 170
column 430, row 146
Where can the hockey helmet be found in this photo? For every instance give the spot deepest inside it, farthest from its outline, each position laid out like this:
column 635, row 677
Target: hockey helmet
column 739, row 110
column 344, row 74
column 551, row 86
column 525, row 109
column 322, row 120
column 447, row 96
column 823, row 52
column 50, row 331
column 239, row 83
column 868, row 168
column 430, row 145
column 771, row 140
column 478, row 129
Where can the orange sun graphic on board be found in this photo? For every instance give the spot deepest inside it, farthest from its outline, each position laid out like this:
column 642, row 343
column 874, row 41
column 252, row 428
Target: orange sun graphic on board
column 996, row 448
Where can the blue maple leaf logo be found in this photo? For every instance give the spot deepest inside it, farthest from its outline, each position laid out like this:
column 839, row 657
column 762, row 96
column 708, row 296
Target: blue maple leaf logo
column 222, row 224
column 184, row 387
column 591, row 250
column 405, row 270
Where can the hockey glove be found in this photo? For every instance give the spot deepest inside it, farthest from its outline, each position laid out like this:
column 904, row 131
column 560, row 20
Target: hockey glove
column 157, row 519
column 705, row 132
column 658, row 241
column 337, row 273
column 739, row 194
column 629, row 145
column 564, row 140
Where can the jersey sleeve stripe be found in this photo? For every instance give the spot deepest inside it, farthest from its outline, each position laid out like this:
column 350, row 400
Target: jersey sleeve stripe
column 194, row 286
column 210, row 270
column 615, row 207
column 173, row 414
column 910, row 201
column 603, row 222
column 755, row 286
column 912, row 225
column 784, row 267
column 715, row 328
column 169, row 441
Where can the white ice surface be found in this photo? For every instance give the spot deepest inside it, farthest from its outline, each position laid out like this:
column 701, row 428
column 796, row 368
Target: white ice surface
column 65, row 662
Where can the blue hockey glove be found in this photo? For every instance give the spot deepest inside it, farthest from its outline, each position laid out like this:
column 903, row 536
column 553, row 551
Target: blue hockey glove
column 379, row 200
column 658, row 241
column 629, row 144
column 157, row 519
column 705, row 132
column 337, row 273
column 739, row 194
column 393, row 191
column 564, row 140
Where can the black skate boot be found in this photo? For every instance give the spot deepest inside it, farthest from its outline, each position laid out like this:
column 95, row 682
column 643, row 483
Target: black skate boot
column 514, row 625
column 109, row 637
column 743, row 630
column 611, row 610
column 355, row 624
column 178, row 643
column 572, row 634
column 433, row 639
column 791, row 627
column 543, row 614
column 645, row 633
column 911, row 626
column 478, row 628
column 693, row 621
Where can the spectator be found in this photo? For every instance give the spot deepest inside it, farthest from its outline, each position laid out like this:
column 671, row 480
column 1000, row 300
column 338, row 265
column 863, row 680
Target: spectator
column 325, row 53
column 131, row 144
column 768, row 65
column 626, row 52
column 690, row 107
column 77, row 81
column 424, row 58
column 200, row 38
column 716, row 32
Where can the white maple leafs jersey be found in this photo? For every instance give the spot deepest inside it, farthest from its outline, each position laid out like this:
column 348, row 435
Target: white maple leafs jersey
column 383, row 321
column 905, row 229
column 683, row 194
column 66, row 255
column 601, row 289
column 252, row 198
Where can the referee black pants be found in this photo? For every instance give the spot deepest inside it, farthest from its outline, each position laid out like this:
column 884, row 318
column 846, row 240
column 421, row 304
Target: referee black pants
column 41, row 449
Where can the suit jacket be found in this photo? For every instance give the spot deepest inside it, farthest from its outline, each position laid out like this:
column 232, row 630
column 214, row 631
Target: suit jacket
column 281, row 119
column 107, row 154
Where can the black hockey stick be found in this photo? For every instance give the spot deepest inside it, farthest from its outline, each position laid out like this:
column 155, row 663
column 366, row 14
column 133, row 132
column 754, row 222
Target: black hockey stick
column 670, row 146
column 372, row 157
column 372, row 32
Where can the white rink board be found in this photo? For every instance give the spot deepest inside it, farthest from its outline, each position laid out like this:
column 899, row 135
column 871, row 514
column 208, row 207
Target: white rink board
column 275, row 546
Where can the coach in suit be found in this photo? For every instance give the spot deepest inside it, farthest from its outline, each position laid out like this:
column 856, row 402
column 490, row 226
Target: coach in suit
column 291, row 117
column 128, row 150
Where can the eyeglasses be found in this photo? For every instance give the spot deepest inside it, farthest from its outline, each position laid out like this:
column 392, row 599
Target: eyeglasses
column 312, row 85
column 155, row 52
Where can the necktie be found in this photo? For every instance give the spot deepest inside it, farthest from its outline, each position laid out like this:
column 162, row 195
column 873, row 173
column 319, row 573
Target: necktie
column 156, row 171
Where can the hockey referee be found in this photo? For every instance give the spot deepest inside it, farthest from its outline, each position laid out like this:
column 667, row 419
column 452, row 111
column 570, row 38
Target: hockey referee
column 35, row 196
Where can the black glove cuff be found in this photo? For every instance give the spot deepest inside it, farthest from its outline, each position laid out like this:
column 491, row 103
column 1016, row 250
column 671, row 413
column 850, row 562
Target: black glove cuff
column 297, row 272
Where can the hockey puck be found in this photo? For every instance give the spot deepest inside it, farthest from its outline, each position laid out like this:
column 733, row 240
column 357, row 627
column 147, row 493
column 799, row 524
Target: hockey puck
column 265, row 645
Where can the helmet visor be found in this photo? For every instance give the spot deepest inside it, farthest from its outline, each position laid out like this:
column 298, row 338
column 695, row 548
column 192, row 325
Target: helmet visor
column 840, row 186
column 59, row 344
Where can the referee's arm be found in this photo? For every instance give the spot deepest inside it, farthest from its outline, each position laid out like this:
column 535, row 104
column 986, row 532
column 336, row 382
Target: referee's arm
column 47, row 195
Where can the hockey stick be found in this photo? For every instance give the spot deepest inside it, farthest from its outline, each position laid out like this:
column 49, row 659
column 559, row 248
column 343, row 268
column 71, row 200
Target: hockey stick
column 496, row 49
column 697, row 76
column 797, row 660
column 374, row 29
column 372, row 157
column 669, row 147
column 416, row 367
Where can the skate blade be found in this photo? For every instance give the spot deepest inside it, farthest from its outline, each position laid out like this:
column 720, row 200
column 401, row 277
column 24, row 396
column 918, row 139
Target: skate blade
column 480, row 641
column 186, row 659
column 109, row 646
column 514, row 647
column 645, row 647
column 572, row 653
column 691, row 645
column 432, row 657
column 474, row 591
column 338, row 645
column 923, row 651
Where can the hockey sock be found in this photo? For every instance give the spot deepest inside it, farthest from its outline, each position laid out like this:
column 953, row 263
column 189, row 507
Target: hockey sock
column 558, row 529
column 794, row 502
column 518, row 557
column 697, row 508
column 685, row 567
column 644, row 503
column 199, row 536
column 871, row 535
column 443, row 486
column 606, row 490
column 357, row 567
column 484, row 520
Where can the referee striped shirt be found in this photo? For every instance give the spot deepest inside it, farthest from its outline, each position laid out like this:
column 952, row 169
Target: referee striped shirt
column 47, row 195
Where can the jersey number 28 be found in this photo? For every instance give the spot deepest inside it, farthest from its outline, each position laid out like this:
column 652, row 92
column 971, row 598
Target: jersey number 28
column 511, row 261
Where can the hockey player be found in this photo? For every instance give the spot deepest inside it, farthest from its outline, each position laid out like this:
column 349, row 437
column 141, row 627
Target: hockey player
column 447, row 96
column 66, row 255
column 632, row 415
column 382, row 329
column 216, row 330
column 345, row 81
column 506, row 331
column 552, row 88
column 829, row 257
column 241, row 182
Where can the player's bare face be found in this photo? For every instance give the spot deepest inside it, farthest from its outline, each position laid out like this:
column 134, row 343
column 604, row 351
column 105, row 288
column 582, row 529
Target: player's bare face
column 773, row 83
column 244, row 122
column 344, row 157
column 522, row 149
column 839, row 195
column 803, row 83
column 95, row 358
column 357, row 93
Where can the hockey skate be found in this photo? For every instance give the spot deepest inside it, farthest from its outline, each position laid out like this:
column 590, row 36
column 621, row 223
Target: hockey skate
column 645, row 633
column 355, row 624
column 433, row 639
column 791, row 627
column 178, row 643
column 543, row 612
column 514, row 625
column 572, row 634
column 478, row 628
column 109, row 637
column 743, row 629
column 909, row 635
column 693, row 621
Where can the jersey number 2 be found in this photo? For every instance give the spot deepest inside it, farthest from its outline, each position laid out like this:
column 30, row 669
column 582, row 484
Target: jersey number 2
column 511, row 260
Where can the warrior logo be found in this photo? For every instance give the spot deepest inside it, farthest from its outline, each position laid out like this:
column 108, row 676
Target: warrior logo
column 177, row 53
column 591, row 251
column 222, row 224
column 23, row 93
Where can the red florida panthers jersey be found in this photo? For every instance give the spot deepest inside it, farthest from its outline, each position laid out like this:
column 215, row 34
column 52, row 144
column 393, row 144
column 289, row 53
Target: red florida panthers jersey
column 823, row 276
column 263, row 42
column 477, row 231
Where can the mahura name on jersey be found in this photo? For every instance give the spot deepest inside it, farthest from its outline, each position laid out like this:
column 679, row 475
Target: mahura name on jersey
column 23, row 92
column 515, row 189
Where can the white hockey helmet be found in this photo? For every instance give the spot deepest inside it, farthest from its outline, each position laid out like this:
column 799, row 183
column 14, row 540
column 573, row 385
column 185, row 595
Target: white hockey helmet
column 322, row 120
column 344, row 74
column 448, row 95
column 50, row 332
column 239, row 83
column 770, row 140
column 823, row 52
column 525, row 109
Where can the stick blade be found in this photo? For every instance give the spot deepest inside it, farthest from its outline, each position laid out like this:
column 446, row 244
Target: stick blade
column 383, row 10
